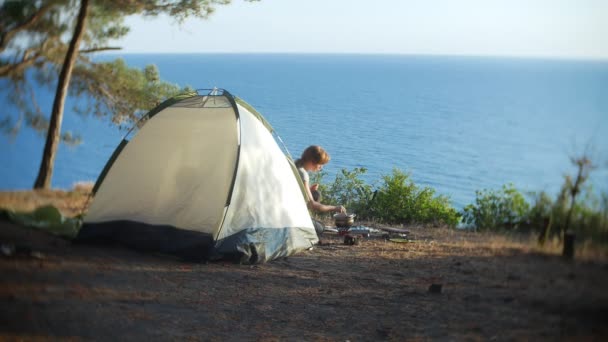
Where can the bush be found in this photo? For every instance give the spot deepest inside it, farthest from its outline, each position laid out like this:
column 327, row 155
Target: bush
column 541, row 209
column 506, row 208
column 397, row 201
column 589, row 218
column 349, row 190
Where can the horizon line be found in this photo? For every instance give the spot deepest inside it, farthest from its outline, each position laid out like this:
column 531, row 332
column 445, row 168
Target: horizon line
column 553, row 57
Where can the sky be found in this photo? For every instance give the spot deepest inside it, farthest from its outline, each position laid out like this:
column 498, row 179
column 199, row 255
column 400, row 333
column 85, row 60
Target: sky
column 528, row 28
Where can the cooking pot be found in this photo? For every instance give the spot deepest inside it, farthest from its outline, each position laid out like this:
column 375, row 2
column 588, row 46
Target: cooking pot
column 343, row 220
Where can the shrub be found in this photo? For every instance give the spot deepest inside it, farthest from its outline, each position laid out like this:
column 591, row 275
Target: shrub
column 505, row 208
column 351, row 191
column 541, row 209
column 540, row 215
column 577, row 208
column 508, row 209
column 589, row 217
column 399, row 200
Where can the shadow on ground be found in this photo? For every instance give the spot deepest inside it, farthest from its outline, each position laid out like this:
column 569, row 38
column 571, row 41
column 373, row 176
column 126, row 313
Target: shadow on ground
column 374, row 291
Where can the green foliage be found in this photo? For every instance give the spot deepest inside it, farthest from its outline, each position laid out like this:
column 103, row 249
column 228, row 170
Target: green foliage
column 349, row 190
column 540, row 217
column 588, row 216
column 34, row 38
column 40, row 40
column 113, row 88
column 508, row 209
column 541, row 210
column 505, row 208
column 397, row 201
column 577, row 208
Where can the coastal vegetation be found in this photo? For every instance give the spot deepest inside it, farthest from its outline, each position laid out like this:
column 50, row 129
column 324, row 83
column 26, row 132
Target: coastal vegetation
column 577, row 208
column 397, row 200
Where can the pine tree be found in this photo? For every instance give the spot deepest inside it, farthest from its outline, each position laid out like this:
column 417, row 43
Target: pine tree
column 50, row 43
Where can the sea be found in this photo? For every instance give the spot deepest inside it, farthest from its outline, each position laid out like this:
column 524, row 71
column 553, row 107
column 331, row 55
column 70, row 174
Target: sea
column 456, row 124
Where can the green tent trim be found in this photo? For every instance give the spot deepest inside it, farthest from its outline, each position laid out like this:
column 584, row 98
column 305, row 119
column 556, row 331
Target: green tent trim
column 254, row 112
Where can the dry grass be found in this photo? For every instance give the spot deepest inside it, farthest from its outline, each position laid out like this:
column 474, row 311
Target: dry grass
column 75, row 202
column 70, row 203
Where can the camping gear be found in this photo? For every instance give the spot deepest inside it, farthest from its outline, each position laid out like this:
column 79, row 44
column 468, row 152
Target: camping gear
column 342, row 231
column 203, row 178
column 330, row 230
column 394, row 230
column 360, row 230
column 343, row 220
column 46, row 218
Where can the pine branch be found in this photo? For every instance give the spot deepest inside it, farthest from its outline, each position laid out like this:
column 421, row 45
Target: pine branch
column 15, row 68
column 106, row 48
column 28, row 57
column 7, row 36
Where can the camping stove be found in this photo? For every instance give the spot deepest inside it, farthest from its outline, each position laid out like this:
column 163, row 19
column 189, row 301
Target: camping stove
column 362, row 231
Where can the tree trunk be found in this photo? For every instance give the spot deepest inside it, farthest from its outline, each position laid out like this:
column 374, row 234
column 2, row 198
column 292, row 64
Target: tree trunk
column 43, row 181
column 568, row 251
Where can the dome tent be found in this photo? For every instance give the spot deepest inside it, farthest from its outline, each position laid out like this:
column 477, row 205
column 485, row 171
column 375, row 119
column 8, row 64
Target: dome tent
column 203, row 178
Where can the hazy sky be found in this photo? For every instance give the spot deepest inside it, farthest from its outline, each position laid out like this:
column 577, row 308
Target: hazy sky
column 557, row 28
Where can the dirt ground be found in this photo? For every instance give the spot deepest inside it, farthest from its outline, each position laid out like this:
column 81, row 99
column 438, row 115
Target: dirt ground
column 492, row 288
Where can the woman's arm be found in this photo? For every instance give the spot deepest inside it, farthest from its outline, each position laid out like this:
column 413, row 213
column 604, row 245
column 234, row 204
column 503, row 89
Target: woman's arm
column 318, row 206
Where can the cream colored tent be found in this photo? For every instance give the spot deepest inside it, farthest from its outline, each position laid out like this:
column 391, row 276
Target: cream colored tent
column 203, row 178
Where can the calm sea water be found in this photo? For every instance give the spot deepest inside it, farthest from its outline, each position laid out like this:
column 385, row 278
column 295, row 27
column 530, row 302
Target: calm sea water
column 457, row 124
